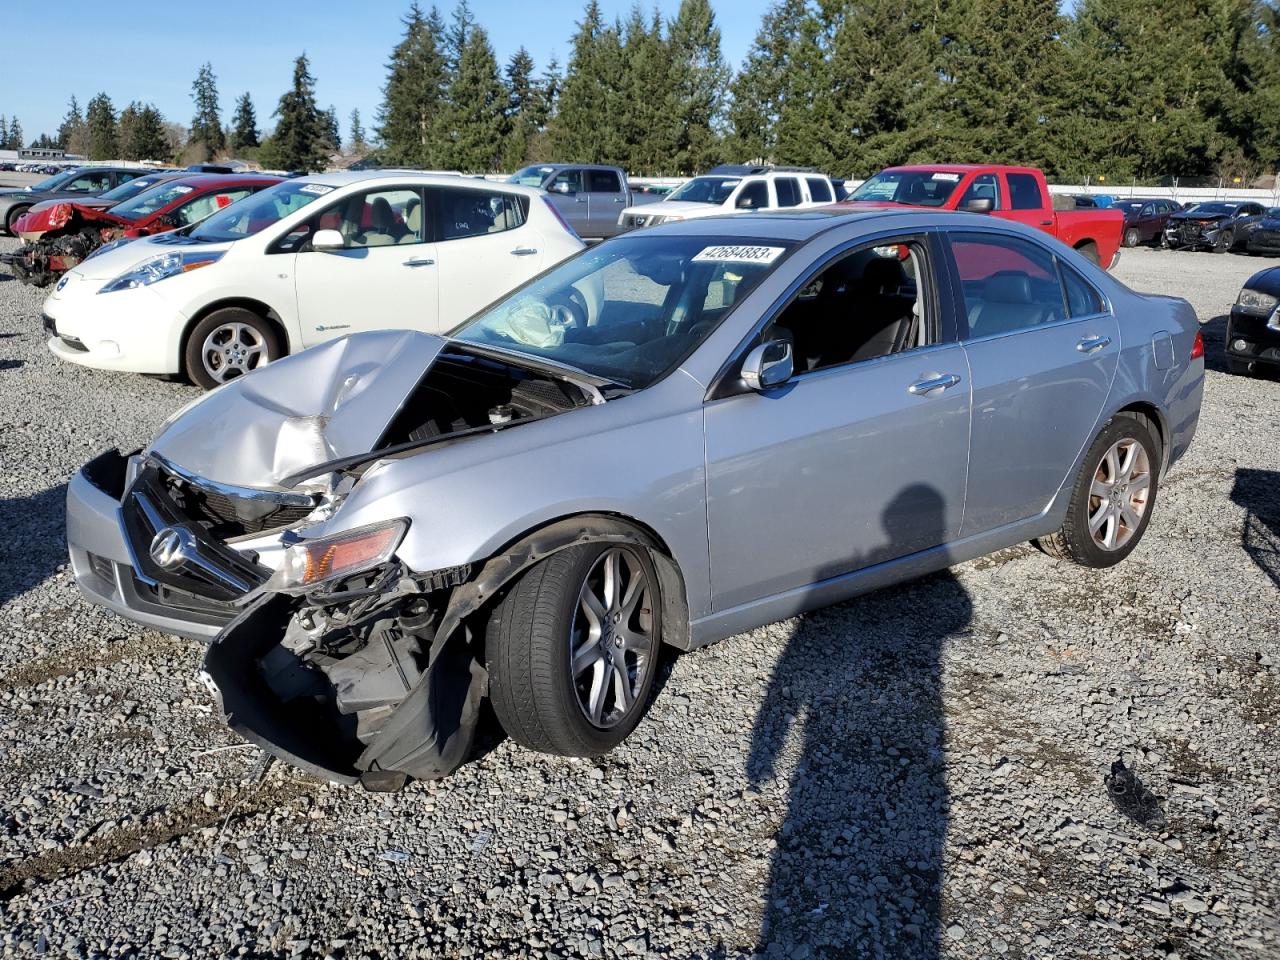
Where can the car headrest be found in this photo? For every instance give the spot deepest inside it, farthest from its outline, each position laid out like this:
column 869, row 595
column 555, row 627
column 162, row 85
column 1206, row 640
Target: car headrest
column 1007, row 287
column 881, row 275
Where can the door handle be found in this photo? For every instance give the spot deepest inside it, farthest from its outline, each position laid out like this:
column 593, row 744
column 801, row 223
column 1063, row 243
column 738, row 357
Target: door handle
column 1090, row 344
column 923, row 388
column 619, row 200
column 580, row 200
column 523, row 251
column 419, row 262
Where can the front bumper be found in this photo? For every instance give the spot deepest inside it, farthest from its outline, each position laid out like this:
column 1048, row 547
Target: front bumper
column 130, row 330
column 1254, row 338
column 105, row 568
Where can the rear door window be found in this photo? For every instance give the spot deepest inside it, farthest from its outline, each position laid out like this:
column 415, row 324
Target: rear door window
column 788, row 190
column 1082, row 299
column 464, row 213
column 1008, row 283
column 1024, row 192
column 603, row 181
column 819, row 190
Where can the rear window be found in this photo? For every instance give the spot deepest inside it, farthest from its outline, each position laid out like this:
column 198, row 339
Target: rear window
column 788, row 190
column 818, row 189
column 1024, row 192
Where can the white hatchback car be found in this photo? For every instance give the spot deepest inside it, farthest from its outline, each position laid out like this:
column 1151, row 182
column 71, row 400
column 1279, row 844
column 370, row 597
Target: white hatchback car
column 300, row 263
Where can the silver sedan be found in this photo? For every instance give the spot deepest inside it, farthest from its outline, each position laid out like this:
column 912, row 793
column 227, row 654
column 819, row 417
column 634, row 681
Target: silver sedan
column 678, row 435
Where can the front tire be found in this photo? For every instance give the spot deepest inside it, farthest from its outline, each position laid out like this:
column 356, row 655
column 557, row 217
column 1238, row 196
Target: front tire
column 572, row 649
column 1113, row 497
column 227, row 344
column 1226, row 240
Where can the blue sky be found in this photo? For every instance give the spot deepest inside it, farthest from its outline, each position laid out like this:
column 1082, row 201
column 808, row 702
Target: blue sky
column 134, row 52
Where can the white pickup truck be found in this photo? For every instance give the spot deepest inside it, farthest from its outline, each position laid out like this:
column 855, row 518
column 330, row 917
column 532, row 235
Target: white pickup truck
column 734, row 189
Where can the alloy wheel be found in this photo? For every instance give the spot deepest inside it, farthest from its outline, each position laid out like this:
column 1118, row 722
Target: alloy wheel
column 1119, row 494
column 613, row 639
column 232, row 350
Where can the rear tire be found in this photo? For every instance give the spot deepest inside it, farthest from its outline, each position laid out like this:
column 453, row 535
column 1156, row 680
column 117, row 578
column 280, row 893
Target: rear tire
column 558, row 670
column 1113, row 497
column 1131, row 237
column 1090, row 252
column 16, row 214
column 228, row 344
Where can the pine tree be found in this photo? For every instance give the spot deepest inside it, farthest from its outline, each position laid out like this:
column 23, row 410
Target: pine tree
column 333, row 131
column 100, row 118
column 206, row 125
column 15, row 134
column 244, row 126
column 699, row 77
column 4, row 133
column 469, row 128
column 124, row 129
column 648, row 129
column 586, row 127
column 145, row 139
column 520, row 113
column 358, row 143
column 412, row 96
column 1253, row 112
column 301, row 137
column 71, row 132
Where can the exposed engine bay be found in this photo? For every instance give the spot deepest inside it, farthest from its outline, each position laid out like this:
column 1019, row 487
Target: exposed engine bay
column 42, row 261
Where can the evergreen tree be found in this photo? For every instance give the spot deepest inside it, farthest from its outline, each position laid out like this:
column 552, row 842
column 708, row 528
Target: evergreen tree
column 45, row 142
column 520, row 114
column 244, row 126
column 586, row 127
column 698, row 80
column 648, row 128
column 100, row 119
column 1253, row 115
column 124, row 129
column 15, row 134
column 358, row 144
column 145, row 138
column 412, row 96
column 71, row 132
column 302, row 134
column 4, row 133
column 206, row 125
column 333, row 131
column 469, row 128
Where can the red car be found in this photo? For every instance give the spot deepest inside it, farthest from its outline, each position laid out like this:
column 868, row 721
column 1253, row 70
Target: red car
column 1010, row 193
column 61, row 235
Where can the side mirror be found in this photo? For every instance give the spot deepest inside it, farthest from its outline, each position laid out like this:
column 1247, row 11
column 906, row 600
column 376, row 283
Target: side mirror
column 745, row 203
column 328, row 240
column 979, row 205
column 768, row 365
column 561, row 187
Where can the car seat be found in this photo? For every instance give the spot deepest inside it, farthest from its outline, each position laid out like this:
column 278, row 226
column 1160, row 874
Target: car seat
column 412, row 221
column 1007, row 303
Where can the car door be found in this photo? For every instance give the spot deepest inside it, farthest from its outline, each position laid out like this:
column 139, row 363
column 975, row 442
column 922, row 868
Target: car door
column 860, row 457
column 1042, row 365
column 1024, row 202
column 788, row 192
column 484, row 248
column 385, row 276
column 606, row 197
column 569, row 196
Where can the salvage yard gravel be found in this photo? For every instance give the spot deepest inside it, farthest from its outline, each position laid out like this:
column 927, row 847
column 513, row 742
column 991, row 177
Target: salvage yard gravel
column 1015, row 758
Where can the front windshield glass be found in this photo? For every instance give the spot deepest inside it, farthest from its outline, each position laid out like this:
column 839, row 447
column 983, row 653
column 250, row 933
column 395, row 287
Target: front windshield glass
column 531, row 176
column 260, row 211
column 706, row 190
column 1213, row 208
column 629, row 310
column 54, row 182
column 129, row 188
column 919, row 188
column 149, row 201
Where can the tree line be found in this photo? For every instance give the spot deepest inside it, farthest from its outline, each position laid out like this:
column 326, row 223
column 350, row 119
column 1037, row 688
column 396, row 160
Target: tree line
column 1115, row 88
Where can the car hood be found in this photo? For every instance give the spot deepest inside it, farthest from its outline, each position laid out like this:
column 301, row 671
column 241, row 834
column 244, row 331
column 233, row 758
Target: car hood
column 1201, row 217
column 333, row 400
column 114, row 261
column 679, row 208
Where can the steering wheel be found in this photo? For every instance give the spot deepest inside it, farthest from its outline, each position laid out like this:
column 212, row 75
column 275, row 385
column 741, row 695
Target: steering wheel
column 569, row 310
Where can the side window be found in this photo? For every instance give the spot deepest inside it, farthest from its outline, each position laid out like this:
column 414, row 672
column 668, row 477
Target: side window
column 984, row 187
column 869, row 303
column 90, row 183
column 1024, row 192
column 1082, row 299
column 1148, row 210
column 462, row 213
column 603, row 181
column 819, row 190
column 201, row 207
column 124, row 176
column 753, row 196
column 378, row 218
column 1008, row 283
column 788, row 190
column 567, row 181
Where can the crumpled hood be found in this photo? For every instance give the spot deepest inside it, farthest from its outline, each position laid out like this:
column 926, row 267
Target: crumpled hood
column 1201, row 217
column 333, row 400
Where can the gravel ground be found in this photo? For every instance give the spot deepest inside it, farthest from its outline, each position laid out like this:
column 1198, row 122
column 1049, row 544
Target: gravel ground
column 926, row 772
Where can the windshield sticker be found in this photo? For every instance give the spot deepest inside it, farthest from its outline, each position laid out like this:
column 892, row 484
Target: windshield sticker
column 737, row 254
column 181, row 191
column 948, row 177
column 318, row 189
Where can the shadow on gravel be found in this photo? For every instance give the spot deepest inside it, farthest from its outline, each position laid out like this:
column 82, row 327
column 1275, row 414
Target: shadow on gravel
column 858, row 866
column 11, row 364
column 34, row 532
column 1214, row 333
column 1258, row 491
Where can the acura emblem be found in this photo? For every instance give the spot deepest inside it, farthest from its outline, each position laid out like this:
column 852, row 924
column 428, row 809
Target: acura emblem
column 170, row 547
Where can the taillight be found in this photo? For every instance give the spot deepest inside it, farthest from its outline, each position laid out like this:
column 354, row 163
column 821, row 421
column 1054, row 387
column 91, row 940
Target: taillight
column 560, row 219
column 1197, row 346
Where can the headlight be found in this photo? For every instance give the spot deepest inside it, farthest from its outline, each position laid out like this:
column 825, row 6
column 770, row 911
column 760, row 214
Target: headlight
column 1254, row 301
column 161, row 267
column 320, row 561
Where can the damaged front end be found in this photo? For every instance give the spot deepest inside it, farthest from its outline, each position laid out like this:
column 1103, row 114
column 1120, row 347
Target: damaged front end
column 63, row 238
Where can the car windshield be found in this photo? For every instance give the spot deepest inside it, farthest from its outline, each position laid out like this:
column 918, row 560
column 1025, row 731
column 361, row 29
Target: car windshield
column 260, row 211
column 629, row 310
column 54, row 182
column 1213, row 208
column 919, row 188
column 706, row 190
column 149, row 201
column 129, row 188
column 531, row 176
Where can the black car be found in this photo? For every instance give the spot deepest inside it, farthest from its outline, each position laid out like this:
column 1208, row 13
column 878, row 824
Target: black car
column 1208, row 226
column 1263, row 234
column 1253, row 329
column 1145, row 218
column 75, row 183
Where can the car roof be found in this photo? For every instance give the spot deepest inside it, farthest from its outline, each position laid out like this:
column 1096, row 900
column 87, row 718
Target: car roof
column 803, row 225
column 216, row 181
column 958, row 168
column 347, row 178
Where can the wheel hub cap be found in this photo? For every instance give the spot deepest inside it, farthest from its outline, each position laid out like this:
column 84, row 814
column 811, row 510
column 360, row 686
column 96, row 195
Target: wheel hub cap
column 1119, row 494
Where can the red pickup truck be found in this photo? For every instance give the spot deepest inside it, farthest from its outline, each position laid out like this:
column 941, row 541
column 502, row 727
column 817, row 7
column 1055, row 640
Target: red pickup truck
column 1011, row 193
